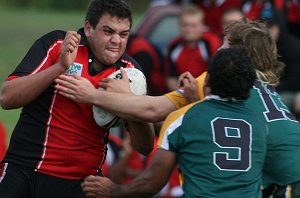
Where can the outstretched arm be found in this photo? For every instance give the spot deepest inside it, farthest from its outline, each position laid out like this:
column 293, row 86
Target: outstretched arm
column 127, row 106
column 148, row 183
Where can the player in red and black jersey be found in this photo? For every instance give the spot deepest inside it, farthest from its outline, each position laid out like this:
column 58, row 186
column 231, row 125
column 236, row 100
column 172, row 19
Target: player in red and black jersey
column 150, row 59
column 56, row 142
column 193, row 49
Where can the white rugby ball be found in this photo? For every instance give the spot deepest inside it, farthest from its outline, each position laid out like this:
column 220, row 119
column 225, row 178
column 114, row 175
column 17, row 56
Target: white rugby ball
column 138, row 86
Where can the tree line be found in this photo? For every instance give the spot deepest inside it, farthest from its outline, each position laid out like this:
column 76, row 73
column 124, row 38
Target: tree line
column 136, row 5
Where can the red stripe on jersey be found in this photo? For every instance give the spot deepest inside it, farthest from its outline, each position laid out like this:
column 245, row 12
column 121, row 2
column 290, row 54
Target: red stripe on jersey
column 42, row 64
column 129, row 64
column 47, row 57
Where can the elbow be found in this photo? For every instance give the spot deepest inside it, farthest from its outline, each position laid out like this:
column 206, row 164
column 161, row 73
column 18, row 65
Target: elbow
column 5, row 99
column 145, row 149
column 4, row 103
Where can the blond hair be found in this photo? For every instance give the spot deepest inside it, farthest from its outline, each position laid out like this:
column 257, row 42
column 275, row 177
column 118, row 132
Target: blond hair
column 255, row 37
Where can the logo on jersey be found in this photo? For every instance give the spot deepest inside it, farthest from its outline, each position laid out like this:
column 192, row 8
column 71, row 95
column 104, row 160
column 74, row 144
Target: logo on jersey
column 75, row 69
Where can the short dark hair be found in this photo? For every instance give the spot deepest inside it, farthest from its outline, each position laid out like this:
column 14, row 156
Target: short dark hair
column 232, row 73
column 117, row 8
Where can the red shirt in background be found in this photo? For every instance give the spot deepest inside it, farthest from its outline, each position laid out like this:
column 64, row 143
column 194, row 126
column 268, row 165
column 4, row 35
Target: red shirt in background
column 2, row 141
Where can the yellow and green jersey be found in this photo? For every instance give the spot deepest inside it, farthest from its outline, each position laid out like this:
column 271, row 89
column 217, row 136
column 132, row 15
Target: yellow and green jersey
column 283, row 141
column 220, row 148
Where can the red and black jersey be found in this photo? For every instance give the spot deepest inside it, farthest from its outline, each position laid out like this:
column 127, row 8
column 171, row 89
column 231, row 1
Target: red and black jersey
column 182, row 58
column 55, row 135
column 214, row 11
column 151, row 62
column 294, row 11
column 253, row 9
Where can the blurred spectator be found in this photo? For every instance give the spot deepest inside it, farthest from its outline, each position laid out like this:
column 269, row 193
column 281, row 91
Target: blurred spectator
column 214, row 10
column 230, row 15
column 288, row 48
column 293, row 17
column 150, row 60
column 2, row 141
column 123, row 164
column 192, row 50
column 253, row 8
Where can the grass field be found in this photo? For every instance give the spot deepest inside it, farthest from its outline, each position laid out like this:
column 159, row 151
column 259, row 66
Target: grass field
column 19, row 29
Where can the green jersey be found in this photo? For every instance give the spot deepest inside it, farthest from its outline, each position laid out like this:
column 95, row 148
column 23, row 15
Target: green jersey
column 283, row 148
column 220, row 148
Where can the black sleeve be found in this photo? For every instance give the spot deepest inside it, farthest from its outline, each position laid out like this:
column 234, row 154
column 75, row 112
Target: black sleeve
column 145, row 61
column 38, row 53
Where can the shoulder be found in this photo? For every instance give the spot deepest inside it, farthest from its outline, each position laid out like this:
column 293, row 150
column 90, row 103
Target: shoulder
column 179, row 115
column 173, row 124
column 53, row 36
column 175, row 42
column 128, row 61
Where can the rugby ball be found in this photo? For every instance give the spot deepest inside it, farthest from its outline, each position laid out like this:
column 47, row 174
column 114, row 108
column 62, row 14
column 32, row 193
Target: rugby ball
column 138, row 86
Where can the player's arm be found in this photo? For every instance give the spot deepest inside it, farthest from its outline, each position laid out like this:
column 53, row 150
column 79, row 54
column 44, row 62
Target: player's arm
column 127, row 106
column 21, row 91
column 148, row 183
column 141, row 136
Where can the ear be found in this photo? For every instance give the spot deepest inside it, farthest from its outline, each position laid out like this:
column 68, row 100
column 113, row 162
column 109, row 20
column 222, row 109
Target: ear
column 207, row 85
column 88, row 28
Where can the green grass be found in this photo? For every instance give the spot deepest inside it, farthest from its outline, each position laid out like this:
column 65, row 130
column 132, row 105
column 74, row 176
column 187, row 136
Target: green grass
column 19, row 29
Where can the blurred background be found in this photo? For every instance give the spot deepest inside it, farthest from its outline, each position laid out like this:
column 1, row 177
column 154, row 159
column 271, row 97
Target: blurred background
column 24, row 21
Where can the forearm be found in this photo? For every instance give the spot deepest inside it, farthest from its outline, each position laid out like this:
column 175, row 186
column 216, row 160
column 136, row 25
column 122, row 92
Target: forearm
column 141, row 187
column 151, row 180
column 136, row 108
column 141, row 136
column 19, row 92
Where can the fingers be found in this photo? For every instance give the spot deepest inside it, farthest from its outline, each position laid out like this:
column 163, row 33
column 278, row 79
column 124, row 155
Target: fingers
column 185, row 82
column 124, row 74
column 66, row 85
column 105, row 82
column 67, row 80
column 71, row 42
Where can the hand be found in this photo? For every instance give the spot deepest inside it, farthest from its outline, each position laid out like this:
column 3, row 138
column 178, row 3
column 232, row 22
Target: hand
column 76, row 88
column 189, row 85
column 68, row 49
column 117, row 85
column 98, row 187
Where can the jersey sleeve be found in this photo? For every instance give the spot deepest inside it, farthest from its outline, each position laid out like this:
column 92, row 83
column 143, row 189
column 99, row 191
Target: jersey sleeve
column 179, row 100
column 170, row 136
column 42, row 54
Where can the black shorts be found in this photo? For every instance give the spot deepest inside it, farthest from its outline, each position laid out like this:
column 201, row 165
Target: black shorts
column 17, row 182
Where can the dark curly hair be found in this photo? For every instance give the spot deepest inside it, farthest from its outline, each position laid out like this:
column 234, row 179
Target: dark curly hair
column 232, row 73
column 97, row 8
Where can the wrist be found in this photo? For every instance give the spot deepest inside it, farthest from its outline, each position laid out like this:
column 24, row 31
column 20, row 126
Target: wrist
column 62, row 68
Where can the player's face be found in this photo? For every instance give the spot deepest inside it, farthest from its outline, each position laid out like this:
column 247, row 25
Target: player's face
column 191, row 27
column 109, row 39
